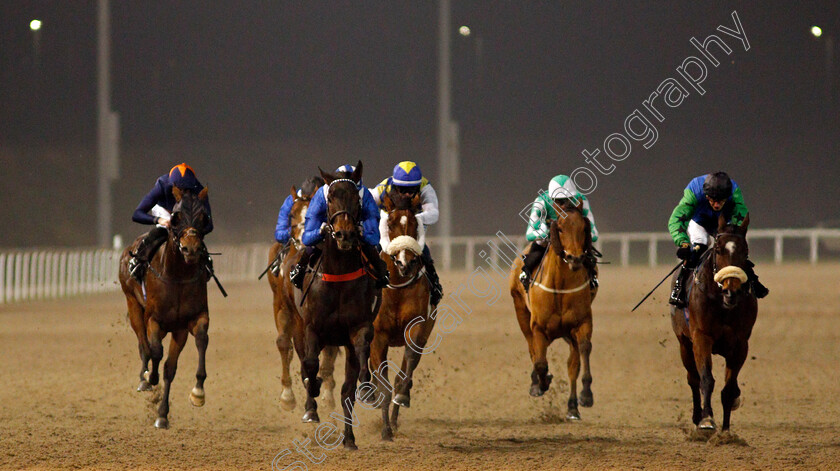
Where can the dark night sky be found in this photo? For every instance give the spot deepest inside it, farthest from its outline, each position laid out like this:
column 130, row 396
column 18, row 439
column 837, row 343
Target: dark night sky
column 256, row 94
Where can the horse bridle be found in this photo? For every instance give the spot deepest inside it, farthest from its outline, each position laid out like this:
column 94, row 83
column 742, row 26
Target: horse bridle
column 714, row 250
column 332, row 217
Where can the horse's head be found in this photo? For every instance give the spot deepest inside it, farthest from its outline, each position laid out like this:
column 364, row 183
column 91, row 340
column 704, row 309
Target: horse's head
column 406, row 233
column 730, row 258
column 344, row 206
column 298, row 215
column 189, row 223
column 570, row 233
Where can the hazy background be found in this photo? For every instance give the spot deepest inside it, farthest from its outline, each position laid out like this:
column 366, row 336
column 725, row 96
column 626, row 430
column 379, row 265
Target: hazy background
column 255, row 95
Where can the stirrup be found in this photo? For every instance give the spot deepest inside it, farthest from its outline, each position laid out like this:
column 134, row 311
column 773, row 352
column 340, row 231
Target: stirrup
column 525, row 279
column 297, row 275
column 677, row 296
column 593, row 282
column 137, row 269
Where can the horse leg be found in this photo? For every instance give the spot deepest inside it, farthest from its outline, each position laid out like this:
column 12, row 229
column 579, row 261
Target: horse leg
column 703, row 360
column 135, row 317
column 328, row 356
column 179, row 338
column 523, row 316
column 540, row 379
column 398, row 378
column 199, row 329
column 348, row 396
column 730, row 395
column 573, row 365
column 309, row 372
column 378, row 357
column 584, row 339
column 284, row 346
column 687, row 355
column 155, row 336
column 411, row 358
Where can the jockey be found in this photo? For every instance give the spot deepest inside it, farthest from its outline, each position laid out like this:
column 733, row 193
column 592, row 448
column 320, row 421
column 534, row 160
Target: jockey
column 695, row 220
column 408, row 180
column 283, row 229
column 316, row 218
column 543, row 212
column 155, row 208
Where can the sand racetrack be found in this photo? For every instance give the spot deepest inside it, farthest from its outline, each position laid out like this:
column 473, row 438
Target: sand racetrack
column 69, row 369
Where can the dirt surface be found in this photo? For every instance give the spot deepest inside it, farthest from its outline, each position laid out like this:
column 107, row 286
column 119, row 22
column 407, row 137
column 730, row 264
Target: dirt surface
column 69, row 369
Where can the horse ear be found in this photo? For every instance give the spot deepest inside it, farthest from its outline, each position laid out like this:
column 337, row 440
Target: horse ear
column 357, row 174
column 721, row 222
column 326, row 176
column 745, row 224
column 387, row 202
column 294, row 192
column 202, row 195
column 176, row 192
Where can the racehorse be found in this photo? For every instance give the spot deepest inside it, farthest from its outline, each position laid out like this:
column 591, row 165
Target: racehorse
column 285, row 309
column 173, row 298
column 340, row 301
column 559, row 305
column 719, row 319
column 405, row 314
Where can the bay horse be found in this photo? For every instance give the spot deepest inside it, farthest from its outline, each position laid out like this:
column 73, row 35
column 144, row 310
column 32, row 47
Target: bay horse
column 285, row 310
column 719, row 319
column 559, row 305
column 405, row 314
column 341, row 301
column 173, row 298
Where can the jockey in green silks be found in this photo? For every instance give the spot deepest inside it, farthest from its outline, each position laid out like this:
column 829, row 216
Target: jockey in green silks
column 543, row 211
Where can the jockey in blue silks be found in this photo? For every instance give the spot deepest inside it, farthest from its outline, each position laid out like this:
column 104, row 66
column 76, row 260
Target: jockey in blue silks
column 316, row 219
column 155, row 208
column 283, row 229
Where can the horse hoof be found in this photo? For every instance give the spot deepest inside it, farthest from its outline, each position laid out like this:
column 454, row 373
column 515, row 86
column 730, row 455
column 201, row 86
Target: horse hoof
column 736, row 403
column 311, row 417
column 161, row 422
column 536, row 391
column 707, row 424
column 154, row 378
column 586, row 399
column 144, row 386
column 287, row 399
column 387, row 435
column 197, row 397
column 146, row 375
column 327, row 399
column 402, row 400
column 350, row 446
column 573, row 415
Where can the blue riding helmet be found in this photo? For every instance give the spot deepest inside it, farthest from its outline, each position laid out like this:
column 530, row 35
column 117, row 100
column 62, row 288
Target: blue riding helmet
column 183, row 176
column 349, row 169
column 407, row 174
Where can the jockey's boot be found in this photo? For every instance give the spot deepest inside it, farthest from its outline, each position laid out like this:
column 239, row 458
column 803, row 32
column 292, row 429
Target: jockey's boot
column 678, row 293
column 759, row 290
column 145, row 250
column 436, row 290
column 530, row 263
column 298, row 272
column 380, row 269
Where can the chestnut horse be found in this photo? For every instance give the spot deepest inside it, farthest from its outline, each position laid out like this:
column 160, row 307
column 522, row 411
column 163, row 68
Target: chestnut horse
column 405, row 314
column 559, row 305
column 173, row 298
column 285, row 309
column 720, row 316
column 341, row 301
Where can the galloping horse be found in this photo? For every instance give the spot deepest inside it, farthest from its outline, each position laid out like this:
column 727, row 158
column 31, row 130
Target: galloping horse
column 559, row 305
column 405, row 312
column 341, row 301
column 285, row 309
column 173, row 298
column 720, row 317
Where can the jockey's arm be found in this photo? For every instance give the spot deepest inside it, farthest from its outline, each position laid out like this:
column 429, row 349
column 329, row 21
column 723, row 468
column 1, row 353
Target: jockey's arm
column 682, row 214
column 283, row 230
column 587, row 213
column 384, row 237
column 376, row 192
column 429, row 200
column 739, row 212
column 315, row 216
column 370, row 219
column 537, row 227
column 141, row 213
